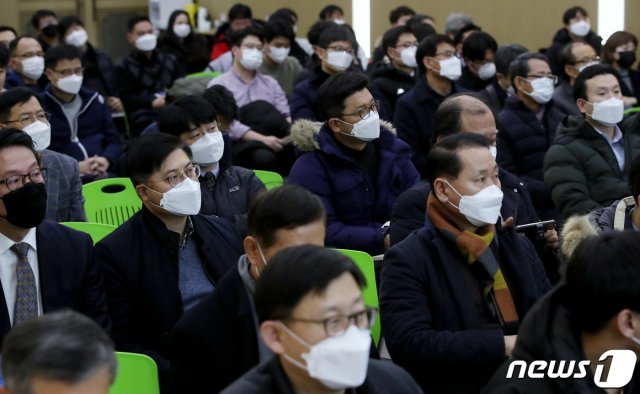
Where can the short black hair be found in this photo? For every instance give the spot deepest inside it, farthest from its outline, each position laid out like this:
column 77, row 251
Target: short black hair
column 391, row 36
column 419, row 28
column 316, row 29
column 336, row 33
column 459, row 37
column 477, row 44
column 286, row 14
column 519, row 67
column 237, row 37
column 148, row 152
column 278, row 28
column 4, row 56
column 284, row 207
column 399, row 12
column 335, row 90
column 12, row 97
column 505, row 55
column 8, row 28
column 223, row 102
column 572, row 13
column 65, row 24
column 443, row 158
column 428, row 48
column 634, row 177
column 240, row 11
column 329, row 10
column 602, row 279
column 35, row 18
column 448, row 117
column 184, row 114
column 61, row 52
column 134, row 20
column 580, row 85
column 297, row 272
column 10, row 137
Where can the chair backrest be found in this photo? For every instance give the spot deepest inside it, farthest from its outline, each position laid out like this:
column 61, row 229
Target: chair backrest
column 110, row 201
column 270, row 179
column 137, row 374
column 370, row 293
column 97, row 231
column 204, row 74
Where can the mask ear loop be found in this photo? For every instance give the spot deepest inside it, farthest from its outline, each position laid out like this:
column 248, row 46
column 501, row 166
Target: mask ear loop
column 300, row 341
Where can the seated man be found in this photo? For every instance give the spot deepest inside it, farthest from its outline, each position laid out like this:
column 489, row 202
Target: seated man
column 61, row 352
column 167, row 257
column 310, row 284
column 227, row 191
column 80, row 120
column 498, row 90
column 452, row 294
column 478, row 52
column 355, row 165
column 596, row 310
column 144, row 75
column 21, row 108
column 45, row 266
column 27, row 65
column 278, row 39
column 217, row 341
column 45, row 23
column 587, row 165
column 574, row 57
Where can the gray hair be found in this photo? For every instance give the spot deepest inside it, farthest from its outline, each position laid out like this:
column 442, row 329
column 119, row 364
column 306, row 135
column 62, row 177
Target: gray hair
column 457, row 21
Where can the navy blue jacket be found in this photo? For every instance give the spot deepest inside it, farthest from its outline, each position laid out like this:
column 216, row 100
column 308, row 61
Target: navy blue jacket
column 355, row 208
column 14, row 80
column 305, row 95
column 431, row 321
column 523, row 142
column 95, row 132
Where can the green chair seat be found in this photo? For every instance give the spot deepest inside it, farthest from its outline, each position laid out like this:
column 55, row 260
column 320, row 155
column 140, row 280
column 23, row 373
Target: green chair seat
column 97, row 231
column 204, row 74
column 137, row 374
column 110, row 201
column 270, row 179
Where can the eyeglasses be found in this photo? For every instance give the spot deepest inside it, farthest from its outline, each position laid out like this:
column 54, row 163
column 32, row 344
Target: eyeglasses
column 338, row 324
column 39, row 116
column 15, row 182
column 447, row 54
column 338, row 48
column 193, row 172
column 407, row 45
column 252, row 46
column 364, row 112
column 586, row 60
column 69, row 72
column 554, row 78
column 31, row 54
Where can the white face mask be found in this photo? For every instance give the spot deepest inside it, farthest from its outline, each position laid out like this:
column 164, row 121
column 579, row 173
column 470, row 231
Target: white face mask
column 40, row 133
column 251, row 58
column 451, row 68
column 181, row 30
column 608, row 112
column 337, row 362
column 487, row 71
column 182, row 200
column 70, row 84
column 208, row 150
column 542, row 90
column 340, row 61
column 33, row 67
column 580, row 28
column 278, row 54
column 339, row 21
column 408, row 57
column 494, row 151
column 147, row 42
column 482, row 208
column 366, row 129
column 77, row 38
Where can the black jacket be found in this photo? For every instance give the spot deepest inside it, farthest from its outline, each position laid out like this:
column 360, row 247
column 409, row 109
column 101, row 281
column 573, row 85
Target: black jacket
column 99, row 71
column 193, row 52
column 471, row 82
column 391, row 84
column 495, row 95
column 562, row 38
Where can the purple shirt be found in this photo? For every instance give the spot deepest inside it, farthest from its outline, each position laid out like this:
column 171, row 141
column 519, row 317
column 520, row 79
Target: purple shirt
column 261, row 87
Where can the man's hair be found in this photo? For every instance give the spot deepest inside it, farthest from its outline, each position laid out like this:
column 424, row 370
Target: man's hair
column 459, row 37
column 316, row 29
column 634, row 177
column 4, row 56
column 335, row 90
column 519, row 67
column 448, row 117
column 223, row 102
column 335, row 33
column 65, row 24
column 61, row 52
column 297, row 272
column 13, row 45
column 282, row 208
column 278, row 28
column 615, row 40
column 391, row 36
column 329, row 10
column 428, row 48
column 477, row 44
column 285, row 14
column 134, row 20
column 580, row 85
column 419, row 28
column 443, row 159
column 505, row 55
column 566, row 57
column 8, row 28
column 12, row 97
column 35, row 18
column 237, row 37
column 456, row 22
column 240, row 11
column 602, row 279
column 572, row 13
column 399, row 12
column 63, row 346
column 10, row 137
column 184, row 114
column 147, row 154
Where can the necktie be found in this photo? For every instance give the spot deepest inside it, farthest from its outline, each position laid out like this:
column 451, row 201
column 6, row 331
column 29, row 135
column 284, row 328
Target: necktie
column 26, row 293
column 209, row 180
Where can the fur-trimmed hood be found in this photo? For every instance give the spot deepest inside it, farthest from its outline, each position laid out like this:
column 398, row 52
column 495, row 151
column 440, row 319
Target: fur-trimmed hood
column 304, row 133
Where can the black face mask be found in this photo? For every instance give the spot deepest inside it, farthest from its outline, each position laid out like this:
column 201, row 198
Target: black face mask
column 50, row 31
column 26, row 207
column 627, row 58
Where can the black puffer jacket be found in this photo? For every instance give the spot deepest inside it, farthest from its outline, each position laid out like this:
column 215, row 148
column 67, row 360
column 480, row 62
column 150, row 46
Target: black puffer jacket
column 391, row 84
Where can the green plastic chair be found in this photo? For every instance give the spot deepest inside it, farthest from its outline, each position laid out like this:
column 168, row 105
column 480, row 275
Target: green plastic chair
column 110, row 201
column 370, row 293
column 97, row 231
column 137, row 374
column 204, row 74
column 270, row 179
column 632, row 110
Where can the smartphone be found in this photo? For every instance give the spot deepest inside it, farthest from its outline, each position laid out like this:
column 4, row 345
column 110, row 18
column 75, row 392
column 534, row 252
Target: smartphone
column 535, row 231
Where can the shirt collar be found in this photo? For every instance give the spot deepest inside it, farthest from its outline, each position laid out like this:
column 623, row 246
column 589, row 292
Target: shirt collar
column 30, row 238
column 239, row 78
column 617, row 134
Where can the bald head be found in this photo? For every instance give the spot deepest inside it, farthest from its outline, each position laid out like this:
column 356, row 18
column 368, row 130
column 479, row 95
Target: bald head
column 465, row 113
